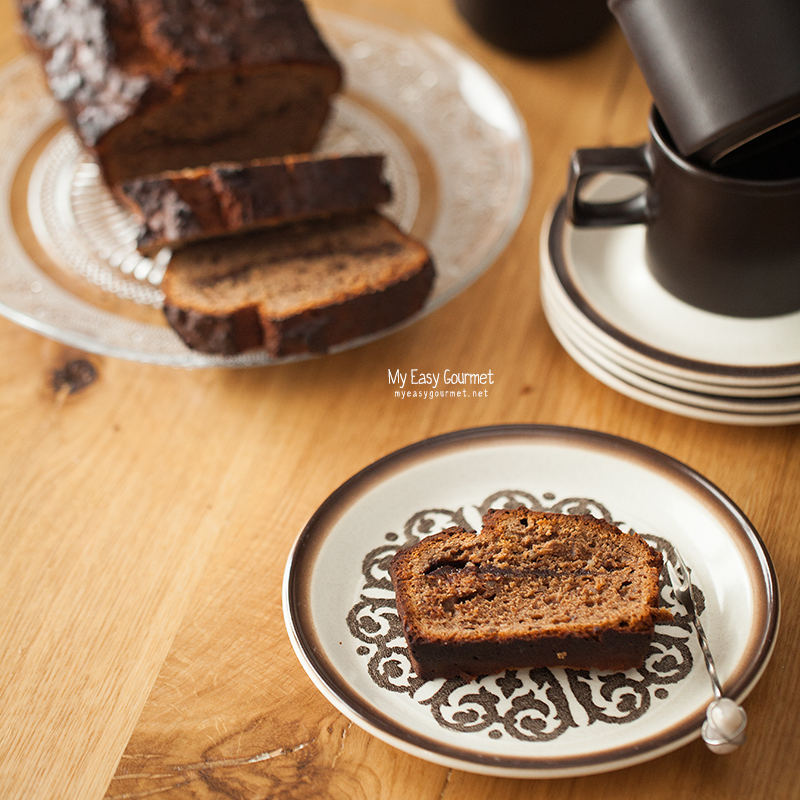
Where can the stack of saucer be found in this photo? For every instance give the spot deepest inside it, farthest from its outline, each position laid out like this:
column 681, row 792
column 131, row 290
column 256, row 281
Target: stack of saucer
column 683, row 289
column 622, row 327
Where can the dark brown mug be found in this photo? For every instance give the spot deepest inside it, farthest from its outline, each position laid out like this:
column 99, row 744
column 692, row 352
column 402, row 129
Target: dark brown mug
column 537, row 28
column 721, row 242
column 723, row 73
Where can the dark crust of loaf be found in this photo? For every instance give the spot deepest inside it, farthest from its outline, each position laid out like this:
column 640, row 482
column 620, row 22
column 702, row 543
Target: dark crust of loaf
column 313, row 331
column 176, row 208
column 600, row 647
column 112, row 61
column 224, row 335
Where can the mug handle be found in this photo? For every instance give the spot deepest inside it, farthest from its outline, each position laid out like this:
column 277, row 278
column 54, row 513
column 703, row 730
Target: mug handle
column 585, row 164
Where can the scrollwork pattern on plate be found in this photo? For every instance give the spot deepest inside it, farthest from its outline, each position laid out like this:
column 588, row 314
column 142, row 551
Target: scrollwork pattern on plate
column 528, row 705
column 535, row 709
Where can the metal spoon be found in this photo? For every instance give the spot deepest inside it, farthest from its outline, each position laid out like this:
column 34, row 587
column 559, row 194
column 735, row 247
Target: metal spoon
column 723, row 731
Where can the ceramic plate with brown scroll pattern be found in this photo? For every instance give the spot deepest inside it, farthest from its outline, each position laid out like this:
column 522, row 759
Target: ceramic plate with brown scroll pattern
column 535, row 723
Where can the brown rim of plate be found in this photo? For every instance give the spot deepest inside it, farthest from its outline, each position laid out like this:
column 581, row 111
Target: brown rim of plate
column 300, row 615
column 556, row 246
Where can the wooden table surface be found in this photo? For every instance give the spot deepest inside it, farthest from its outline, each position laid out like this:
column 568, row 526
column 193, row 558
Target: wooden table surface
column 146, row 518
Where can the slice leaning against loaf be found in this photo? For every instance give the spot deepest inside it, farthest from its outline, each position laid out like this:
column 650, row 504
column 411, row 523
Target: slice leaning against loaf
column 299, row 288
column 532, row 589
column 177, row 207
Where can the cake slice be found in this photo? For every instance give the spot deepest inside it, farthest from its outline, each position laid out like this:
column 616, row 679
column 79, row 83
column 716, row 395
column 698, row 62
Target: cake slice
column 299, row 288
column 176, row 207
column 532, row 589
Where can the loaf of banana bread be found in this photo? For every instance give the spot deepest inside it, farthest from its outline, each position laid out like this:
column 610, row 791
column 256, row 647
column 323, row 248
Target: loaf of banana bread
column 154, row 85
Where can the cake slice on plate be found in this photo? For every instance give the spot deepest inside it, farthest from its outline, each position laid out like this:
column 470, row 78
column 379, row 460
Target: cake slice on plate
column 532, row 589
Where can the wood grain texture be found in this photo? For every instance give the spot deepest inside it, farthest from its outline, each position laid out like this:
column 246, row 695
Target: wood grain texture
column 146, row 515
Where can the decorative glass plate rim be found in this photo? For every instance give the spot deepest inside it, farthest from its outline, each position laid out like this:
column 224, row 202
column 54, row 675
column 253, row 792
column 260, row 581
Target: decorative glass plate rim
column 555, row 231
column 311, row 654
column 173, row 353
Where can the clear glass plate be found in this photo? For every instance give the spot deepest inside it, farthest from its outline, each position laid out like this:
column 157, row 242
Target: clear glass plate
column 457, row 156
